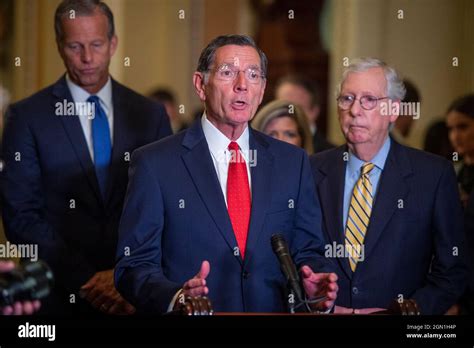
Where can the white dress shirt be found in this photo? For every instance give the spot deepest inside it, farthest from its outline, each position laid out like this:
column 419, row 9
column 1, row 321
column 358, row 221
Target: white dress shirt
column 218, row 147
column 79, row 95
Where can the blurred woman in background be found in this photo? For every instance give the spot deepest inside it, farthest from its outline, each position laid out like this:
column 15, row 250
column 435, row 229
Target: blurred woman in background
column 285, row 121
column 460, row 123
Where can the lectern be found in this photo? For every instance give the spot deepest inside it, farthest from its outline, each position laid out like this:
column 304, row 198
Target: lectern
column 197, row 306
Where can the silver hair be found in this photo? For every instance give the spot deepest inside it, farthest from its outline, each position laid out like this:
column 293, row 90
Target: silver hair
column 81, row 8
column 395, row 87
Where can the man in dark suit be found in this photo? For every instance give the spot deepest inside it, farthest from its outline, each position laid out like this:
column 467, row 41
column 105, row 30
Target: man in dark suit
column 66, row 151
column 202, row 205
column 305, row 93
column 394, row 210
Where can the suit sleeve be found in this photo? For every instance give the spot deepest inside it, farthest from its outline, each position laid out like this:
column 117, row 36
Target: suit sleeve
column 309, row 241
column 139, row 276
column 447, row 279
column 23, row 208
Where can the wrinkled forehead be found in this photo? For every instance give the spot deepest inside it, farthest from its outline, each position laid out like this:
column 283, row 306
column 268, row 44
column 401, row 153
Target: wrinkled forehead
column 368, row 81
column 85, row 25
column 238, row 56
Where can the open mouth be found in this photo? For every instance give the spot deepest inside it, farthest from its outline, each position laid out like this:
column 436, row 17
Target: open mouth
column 239, row 105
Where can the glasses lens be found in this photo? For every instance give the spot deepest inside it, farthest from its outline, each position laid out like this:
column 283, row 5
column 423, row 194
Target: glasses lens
column 225, row 73
column 368, row 102
column 345, row 101
column 253, row 75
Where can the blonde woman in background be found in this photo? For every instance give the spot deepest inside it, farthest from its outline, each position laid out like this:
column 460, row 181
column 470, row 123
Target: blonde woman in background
column 4, row 101
column 285, row 121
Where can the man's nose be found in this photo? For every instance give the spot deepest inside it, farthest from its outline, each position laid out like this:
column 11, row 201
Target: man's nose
column 86, row 55
column 355, row 108
column 240, row 81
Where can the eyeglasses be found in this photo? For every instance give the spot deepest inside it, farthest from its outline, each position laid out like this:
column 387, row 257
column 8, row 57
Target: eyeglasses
column 367, row 102
column 228, row 73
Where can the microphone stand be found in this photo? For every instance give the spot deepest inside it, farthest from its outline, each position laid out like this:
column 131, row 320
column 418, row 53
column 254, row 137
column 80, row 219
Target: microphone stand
column 291, row 302
column 293, row 305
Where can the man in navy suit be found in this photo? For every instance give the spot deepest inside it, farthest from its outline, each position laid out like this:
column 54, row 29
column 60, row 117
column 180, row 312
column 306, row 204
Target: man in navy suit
column 201, row 206
column 395, row 210
column 66, row 151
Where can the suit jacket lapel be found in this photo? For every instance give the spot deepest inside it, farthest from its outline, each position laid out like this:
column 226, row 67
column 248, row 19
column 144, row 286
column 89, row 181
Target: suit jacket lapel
column 123, row 136
column 201, row 169
column 392, row 187
column 261, row 173
column 331, row 192
column 73, row 128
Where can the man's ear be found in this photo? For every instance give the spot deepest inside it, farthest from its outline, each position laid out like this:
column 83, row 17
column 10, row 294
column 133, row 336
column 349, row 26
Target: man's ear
column 113, row 45
column 262, row 92
column 394, row 110
column 199, row 85
column 60, row 47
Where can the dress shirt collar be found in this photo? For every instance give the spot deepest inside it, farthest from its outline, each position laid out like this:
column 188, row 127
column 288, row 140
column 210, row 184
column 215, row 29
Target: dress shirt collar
column 218, row 142
column 379, row 159
column 80, row 95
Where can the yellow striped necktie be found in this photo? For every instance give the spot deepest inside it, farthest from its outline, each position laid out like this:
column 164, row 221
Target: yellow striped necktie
column 359, row 215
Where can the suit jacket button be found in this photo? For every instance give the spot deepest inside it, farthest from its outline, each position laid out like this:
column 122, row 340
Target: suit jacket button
column 246, row 275
column 355, row 291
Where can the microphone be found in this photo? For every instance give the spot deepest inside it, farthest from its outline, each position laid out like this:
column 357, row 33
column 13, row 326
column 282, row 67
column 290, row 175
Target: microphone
column 288, row 268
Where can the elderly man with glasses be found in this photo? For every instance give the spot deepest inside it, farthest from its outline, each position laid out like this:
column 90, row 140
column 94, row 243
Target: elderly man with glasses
column 202, row 205
column 395, row 210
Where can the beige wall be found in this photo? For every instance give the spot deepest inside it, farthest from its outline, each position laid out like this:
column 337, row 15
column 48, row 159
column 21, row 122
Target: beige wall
column 156, row 45
column 421, row 46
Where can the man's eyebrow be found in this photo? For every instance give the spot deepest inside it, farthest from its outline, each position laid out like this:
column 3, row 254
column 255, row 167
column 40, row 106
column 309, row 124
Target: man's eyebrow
column 368, row 93
column 362, row 93
column 231, row 64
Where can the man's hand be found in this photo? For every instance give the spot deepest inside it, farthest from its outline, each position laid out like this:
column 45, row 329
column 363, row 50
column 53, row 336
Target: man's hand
column 455, row 309
column 100, row 292
column 18, row 308
column 320, row 284
column 197, row 286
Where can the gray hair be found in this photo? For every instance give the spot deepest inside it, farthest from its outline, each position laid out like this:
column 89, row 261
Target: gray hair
column 209, row 53
column 395, row 87
column 81, row 8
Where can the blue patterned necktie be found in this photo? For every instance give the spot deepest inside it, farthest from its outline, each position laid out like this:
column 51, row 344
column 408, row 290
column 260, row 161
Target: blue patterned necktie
column 101, row 142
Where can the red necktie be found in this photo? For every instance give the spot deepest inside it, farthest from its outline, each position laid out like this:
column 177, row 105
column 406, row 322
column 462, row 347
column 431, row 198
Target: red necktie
column 238, row 196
